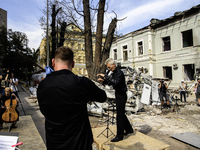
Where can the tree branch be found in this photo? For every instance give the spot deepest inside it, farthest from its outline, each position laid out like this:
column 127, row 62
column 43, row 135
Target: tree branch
column 76, row 9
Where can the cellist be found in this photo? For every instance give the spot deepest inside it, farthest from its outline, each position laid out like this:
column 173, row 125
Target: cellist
column 8, row 95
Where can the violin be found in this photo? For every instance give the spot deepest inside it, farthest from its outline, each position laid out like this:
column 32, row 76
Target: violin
column 10, row 115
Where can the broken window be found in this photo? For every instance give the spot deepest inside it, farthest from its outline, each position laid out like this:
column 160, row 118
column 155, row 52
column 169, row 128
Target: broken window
column 125, row 53
column 115, row 54
column 167, row 72
column 189, row 72
column 166, row 43
column 187, row 38
column 140, row 48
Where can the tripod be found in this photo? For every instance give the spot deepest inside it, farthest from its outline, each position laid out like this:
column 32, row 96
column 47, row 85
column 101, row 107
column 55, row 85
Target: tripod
column 108, row 121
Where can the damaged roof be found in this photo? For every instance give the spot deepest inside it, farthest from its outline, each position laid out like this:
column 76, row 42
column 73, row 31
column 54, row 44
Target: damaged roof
column 154, row 23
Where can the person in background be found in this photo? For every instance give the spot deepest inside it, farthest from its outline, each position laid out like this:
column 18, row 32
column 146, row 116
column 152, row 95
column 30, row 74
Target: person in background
column 182, row 89
column 63, row 98
column 8, row 94
column 3, row 85
column 7, row 78
column 117, row 80
column 163, row 93
column 13, row 83
column 197, row 87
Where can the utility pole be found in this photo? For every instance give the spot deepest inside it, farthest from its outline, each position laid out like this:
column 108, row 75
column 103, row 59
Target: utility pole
column 47, row 33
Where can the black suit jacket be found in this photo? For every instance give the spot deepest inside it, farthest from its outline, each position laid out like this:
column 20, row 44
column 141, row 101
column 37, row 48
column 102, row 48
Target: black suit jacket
column 63, row 99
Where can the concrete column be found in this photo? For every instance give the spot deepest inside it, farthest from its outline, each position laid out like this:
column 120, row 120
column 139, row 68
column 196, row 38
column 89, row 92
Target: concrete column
column 150, row 53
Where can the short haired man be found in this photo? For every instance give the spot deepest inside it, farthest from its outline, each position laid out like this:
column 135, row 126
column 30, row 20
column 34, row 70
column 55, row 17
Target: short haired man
column 117, row 80
column 63, row 98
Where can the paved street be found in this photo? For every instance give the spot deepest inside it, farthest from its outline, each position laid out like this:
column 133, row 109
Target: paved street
column 30, row 107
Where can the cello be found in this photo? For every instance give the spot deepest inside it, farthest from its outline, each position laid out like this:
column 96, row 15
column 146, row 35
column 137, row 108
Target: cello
column 10, row 115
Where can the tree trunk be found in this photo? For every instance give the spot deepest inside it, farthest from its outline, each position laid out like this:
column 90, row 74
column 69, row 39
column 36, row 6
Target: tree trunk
column 53, row 28
column 107, row 44
column 62, row 33
column 99, row 33
column 97, row 65
column 88, row 38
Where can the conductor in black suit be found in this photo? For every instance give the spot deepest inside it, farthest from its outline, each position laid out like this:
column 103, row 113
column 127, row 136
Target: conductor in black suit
column 117, row 80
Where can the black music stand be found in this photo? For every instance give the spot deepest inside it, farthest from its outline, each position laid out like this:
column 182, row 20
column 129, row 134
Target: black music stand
column 110, row 104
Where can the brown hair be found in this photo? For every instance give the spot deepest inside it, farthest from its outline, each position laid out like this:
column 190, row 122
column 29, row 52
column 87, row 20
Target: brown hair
column 64, row 53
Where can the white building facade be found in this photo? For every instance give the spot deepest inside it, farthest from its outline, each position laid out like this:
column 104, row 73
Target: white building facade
column 168, row 48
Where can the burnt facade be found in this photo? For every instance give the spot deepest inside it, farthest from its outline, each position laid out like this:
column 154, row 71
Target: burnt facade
column 168, row 48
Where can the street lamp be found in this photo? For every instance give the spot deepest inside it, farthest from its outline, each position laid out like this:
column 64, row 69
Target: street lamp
column 47, row 33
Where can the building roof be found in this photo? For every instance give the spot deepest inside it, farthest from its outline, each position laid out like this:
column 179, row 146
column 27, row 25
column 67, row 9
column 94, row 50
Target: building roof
column 155, row 23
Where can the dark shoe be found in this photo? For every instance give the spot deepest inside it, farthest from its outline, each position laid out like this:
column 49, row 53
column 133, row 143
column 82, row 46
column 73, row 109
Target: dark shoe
column 117, row 138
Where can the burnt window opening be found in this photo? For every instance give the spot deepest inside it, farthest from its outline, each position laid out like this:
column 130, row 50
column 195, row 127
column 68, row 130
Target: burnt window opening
column 167, row 72
column 189, row 72
column 166, row 43
column 187, row 38
column 115, row 54
column 125, row 53
column 140, row 48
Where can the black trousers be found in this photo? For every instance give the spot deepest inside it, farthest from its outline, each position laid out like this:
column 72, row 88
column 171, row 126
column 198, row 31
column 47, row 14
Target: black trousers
column 183, row 93
column 123, row 123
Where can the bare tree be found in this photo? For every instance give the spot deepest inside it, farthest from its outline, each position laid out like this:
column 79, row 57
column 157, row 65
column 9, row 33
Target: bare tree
column 83, row 13
column 95, row 65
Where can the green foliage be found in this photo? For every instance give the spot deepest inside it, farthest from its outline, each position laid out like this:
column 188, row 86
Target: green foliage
column 15, row 54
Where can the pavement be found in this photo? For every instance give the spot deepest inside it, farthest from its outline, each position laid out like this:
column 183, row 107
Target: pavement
column 30, row 126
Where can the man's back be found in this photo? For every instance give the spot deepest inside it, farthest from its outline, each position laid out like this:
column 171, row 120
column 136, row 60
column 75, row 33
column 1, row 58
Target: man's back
column 63, row 98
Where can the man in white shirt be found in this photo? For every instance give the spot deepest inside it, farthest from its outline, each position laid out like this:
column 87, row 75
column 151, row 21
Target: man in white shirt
column 182, row 88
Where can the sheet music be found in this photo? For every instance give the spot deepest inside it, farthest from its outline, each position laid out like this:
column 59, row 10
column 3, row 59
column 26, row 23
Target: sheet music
column 7, row 141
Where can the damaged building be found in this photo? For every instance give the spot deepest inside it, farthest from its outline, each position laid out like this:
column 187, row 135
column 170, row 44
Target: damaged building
column 168, row 48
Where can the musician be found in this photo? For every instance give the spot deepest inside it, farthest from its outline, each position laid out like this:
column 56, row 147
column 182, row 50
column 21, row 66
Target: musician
column 117, row 80
column 63, row 98
column 8, row 95
column 13, row 83
column 2, row 83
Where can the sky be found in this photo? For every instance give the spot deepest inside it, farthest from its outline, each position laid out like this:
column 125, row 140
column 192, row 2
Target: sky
column 23, row 15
